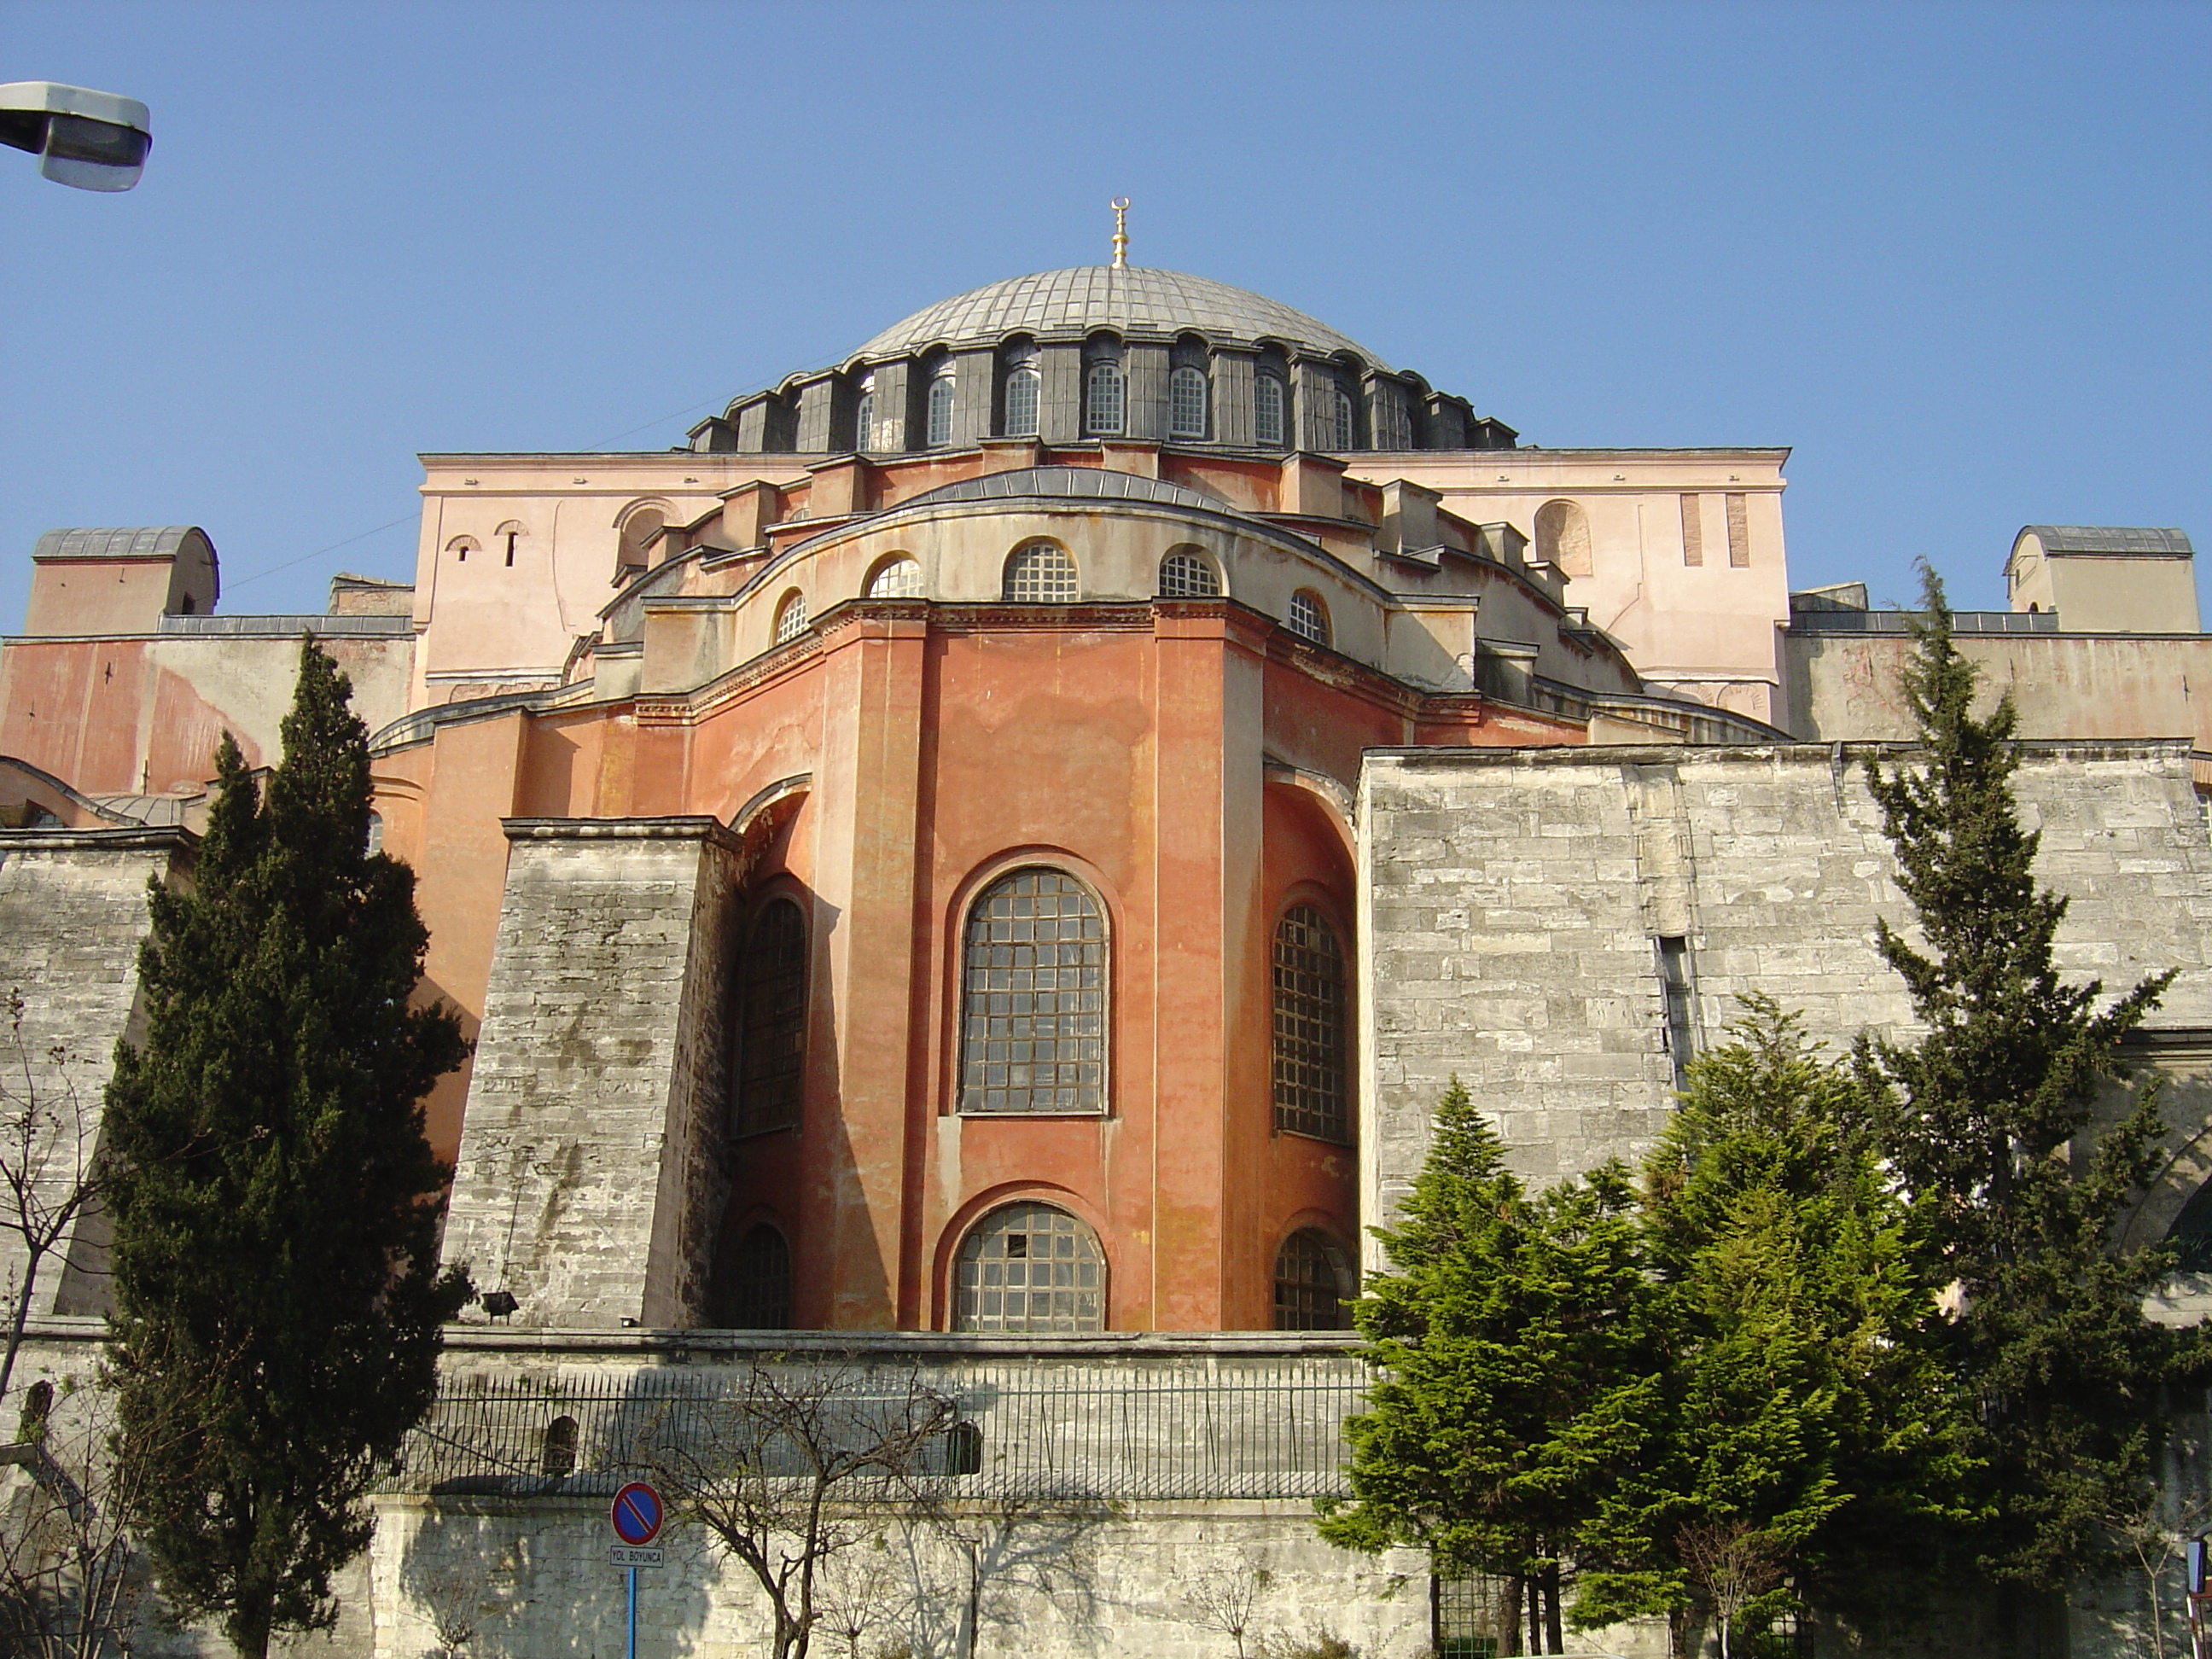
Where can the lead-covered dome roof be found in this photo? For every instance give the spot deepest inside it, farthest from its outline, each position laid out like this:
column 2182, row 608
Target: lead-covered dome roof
column 1131, row 300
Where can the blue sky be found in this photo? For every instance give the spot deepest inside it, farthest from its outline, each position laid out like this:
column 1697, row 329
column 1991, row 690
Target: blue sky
column 1956, row 256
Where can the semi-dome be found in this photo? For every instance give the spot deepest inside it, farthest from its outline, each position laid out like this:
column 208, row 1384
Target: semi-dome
column 1131, row 300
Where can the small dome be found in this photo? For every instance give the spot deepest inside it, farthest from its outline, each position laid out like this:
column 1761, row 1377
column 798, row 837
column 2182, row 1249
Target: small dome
column 1133, row 300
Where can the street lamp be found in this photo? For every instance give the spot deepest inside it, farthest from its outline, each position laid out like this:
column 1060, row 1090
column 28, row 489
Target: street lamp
column 89, row 140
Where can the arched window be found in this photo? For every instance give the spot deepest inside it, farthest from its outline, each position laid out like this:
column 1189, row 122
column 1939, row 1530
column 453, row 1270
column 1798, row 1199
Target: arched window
column 1185, row 574
column 896, row 578
column 1029, row 1268
column 375, row 843
column 1040, row 573
column 752, row 1290
column 1311, row 1284
column 864, row 417
column 2190, row 1238
column 963, row 1449
column 791, row 616
column 556, row 1455
column 460, row 547
column 1268, row 403
column 1033, row 998
column 1562, row 538
column 1309, row 617
column 37, row 1411
column 1103, row 400
column 1346, row 430
column 1022, row 385
column 772, row 1023
column 637, row 532
column 187, row 605
column 1186, row 403
column 941, row 408
column 1309, row 1037
column 507, row 536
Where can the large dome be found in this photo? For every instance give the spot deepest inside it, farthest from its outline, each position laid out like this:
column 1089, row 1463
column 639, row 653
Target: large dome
column 1129, row 300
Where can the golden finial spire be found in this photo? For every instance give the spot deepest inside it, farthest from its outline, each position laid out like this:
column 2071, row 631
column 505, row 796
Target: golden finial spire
column 1121, row 233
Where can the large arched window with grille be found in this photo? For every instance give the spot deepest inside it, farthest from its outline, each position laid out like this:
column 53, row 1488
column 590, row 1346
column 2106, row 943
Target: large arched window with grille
column 772, row 1022
column 1039, row 572
column 1019, row 398
column 1029, row 1268
column 896, row 578
column 791, row 616
column 1309, row 1037
column 1269, row 401
column 1104, row 400
column 1312, row 1284
column 939, row 423
column 1187, row 402
column 1188, row 573
column 1309, row 617
column 1033, row 997
column 864, row 417
column 752, row 1282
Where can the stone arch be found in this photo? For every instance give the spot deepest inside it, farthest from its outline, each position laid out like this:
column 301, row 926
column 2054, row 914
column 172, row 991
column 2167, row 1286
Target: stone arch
column 1562, row 538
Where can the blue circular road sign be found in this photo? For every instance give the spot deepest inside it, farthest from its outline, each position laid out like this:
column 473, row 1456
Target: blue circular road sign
column 637, row 1514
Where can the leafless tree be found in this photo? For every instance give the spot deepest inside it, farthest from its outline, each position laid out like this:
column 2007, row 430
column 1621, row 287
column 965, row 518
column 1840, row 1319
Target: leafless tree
column 1225, row 1598
column 795, row 1463
column 48, row 1177
column 73, row 1583
column 1730, row 1564
column 2156, row 1535
column 858, row 1594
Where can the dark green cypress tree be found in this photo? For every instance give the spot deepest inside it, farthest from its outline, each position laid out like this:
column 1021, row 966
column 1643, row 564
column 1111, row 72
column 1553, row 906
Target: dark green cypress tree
column 277, row 1297
column 1513, row 1378
column 1986, row 1122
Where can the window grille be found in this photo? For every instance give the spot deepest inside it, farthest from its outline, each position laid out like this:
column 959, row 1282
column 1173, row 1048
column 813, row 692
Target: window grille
column 791, row 617
column 1022, row 404
column 756, row 1295
column 1186, row 403
column 1472, row 1616
column 1309, row 1290
column 1344, row 430
column 1103, row 399
column 1267, row 403
column 1040, row 574
column 1310, row 1038
column 772, row 1043
column 557, row 1457
column 1186, row 575
column 940, row 412
column 864, row 418
column 896, row 578
column 1033, row 1003
column 1309, row 617
column 1029, row 1268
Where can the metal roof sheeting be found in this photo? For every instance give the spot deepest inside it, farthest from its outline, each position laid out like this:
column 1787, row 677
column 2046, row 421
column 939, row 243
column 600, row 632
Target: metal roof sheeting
column 1075, row 482
column 2108, row 539
column 141, row 542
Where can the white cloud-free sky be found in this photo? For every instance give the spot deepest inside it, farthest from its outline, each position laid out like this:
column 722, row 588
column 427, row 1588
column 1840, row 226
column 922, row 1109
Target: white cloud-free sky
column 1956, row 256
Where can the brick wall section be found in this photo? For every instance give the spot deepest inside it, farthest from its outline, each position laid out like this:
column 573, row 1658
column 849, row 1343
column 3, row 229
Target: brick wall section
column 72, row 914
column 584, row 1183
column 1514, row 899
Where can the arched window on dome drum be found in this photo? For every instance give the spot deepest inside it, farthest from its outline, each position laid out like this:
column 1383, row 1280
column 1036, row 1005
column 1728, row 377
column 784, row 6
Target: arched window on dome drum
column 1186, row 574
column 1022, row 386
column 1310, row 1047
column 1308, row 617
column 1033, row 998
column 1041, row 573
column 1186, row 403
column 791, row 617
column 1029, row 1268
column 1346, row 430
column 1268, row 403
column 1310, row 1287
column 896, row 578
column 940, row 409
column 1103, row 400
column 772, row 1023
column 864, row 417
column 752, row 1289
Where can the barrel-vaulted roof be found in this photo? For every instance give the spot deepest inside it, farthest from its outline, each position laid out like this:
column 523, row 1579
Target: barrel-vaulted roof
column 1132, row 300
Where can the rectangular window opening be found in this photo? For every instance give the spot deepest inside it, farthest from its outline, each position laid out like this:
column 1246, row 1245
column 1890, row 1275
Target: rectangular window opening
column 1738, row 529
column 1693, row 530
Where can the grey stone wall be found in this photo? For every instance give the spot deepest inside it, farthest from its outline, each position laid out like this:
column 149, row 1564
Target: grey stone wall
column 72, row 914
column 1515, row 897
column 587, row 1182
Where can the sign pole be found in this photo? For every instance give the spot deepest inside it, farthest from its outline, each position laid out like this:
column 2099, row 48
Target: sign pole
column 633, row 1613
column 637, row 1515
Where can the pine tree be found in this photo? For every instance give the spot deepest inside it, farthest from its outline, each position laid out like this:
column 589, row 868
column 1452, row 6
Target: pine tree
column 277, row 1297
column 1510, row 1358
column 1986, row 1122
column 1803, row 1432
